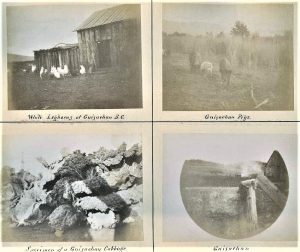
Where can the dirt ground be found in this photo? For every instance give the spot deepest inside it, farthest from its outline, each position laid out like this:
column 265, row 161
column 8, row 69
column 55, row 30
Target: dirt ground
column 184, row 90
column 100, row 90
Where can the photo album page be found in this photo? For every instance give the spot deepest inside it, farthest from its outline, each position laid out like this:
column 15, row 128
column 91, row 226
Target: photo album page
column 154, row 126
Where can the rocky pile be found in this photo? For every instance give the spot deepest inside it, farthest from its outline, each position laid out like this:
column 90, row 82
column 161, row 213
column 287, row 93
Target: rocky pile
column 102, row 190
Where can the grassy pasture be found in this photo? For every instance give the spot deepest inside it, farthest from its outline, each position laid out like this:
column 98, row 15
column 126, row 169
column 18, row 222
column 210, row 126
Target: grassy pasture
column 264, row 63
column 101, row 90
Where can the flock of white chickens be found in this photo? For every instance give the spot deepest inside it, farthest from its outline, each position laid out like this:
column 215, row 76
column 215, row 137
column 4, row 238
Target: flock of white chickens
column 56, row 72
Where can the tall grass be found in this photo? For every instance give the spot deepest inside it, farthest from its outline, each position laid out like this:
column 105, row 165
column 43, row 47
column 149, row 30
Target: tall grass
column 252, row 53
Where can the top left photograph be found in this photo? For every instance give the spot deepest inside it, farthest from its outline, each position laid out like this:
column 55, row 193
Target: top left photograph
column 73, row 56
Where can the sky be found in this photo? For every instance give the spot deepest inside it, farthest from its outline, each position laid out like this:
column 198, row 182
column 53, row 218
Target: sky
column 226, row 149
column 49, row 147
column 37, row 27
column 266, row 19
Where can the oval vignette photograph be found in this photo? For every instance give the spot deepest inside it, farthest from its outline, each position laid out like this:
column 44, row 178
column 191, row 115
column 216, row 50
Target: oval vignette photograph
column 235, row 201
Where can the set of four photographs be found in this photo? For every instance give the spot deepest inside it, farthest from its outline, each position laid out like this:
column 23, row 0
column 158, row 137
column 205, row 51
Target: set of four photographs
column 149, row 125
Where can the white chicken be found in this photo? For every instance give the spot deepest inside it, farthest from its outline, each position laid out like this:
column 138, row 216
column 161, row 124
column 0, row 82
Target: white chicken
column 82, row 70
column 55, row 72
column 42, row 72
column 33, row 68
column 206, row 68
column 63, row 71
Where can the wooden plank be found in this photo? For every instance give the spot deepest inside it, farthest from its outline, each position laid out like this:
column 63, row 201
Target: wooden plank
column 67, row 58
column 251, row 209
column 49, row 60
column 272, row 191
column 79, row 37
column 54, row 63
column 77, row 57
column 80, row 42
column 93, row 48
column 71, row 59
column 92, row 34
column 88, row 50
column 60, row 59
column 53, row 59
column 82, row 47
column 36, row 58
column 97, row 33
column 43, row 59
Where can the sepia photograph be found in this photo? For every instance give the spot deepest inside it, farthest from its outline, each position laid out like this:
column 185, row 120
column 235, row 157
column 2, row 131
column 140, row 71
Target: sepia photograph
column 72, row 188
column 73, row 56
column 237, row 200
column 230, row 187
column 228, row 56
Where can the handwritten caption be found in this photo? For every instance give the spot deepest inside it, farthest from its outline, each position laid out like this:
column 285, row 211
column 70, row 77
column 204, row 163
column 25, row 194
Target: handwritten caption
column 71, row 118
column 76, row 249
column 230, row 248
column 238, row 117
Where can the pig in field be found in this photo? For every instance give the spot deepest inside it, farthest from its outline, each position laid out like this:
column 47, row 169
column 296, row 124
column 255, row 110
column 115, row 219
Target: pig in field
column 225, row 70
column 195, row 61
column 206, row 68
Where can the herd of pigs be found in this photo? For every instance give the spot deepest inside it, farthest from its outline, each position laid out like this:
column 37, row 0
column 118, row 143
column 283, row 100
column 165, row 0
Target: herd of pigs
column 206, row 67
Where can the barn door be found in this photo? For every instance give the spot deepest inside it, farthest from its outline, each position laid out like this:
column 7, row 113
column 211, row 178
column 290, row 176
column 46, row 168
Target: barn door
column 104, row 58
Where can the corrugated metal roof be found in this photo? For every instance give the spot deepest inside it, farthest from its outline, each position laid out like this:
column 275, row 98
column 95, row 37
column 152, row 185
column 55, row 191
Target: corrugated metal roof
column 110, row 15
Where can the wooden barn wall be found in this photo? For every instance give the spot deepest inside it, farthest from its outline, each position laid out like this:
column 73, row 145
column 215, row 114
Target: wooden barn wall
column 48, row 58
column 125, row 37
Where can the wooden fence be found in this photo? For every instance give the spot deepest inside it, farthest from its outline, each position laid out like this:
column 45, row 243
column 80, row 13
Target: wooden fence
column 58, row 57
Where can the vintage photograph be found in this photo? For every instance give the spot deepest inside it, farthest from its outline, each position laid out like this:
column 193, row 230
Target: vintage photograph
column 229, row 186
column 72, row 188
column 73, row 56
column 228, row 57
column 237, row 200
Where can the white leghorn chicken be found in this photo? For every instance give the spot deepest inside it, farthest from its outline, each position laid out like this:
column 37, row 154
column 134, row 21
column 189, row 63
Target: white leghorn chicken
column 42, row 72
column 55, row 72
column 63, row 71
column 82, row 70
column 33, row 68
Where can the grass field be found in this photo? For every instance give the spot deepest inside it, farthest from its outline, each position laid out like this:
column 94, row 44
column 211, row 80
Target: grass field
column 99, row 90
column 184, row 90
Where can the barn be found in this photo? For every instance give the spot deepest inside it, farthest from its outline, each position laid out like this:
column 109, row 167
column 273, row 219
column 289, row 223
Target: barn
column 111, row 37
column 108, row 38
column 60, row 55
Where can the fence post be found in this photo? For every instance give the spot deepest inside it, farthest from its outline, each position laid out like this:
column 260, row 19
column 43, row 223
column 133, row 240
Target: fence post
column 251, row 212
